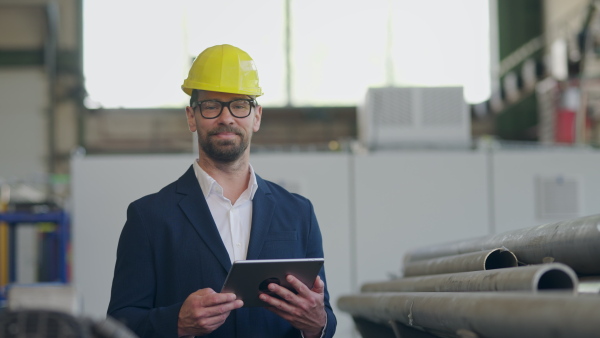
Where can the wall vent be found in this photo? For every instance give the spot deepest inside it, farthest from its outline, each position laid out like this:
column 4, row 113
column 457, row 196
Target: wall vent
column 558, row 197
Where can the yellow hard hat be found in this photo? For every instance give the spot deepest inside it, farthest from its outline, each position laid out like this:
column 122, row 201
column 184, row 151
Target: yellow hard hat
column 223, row 68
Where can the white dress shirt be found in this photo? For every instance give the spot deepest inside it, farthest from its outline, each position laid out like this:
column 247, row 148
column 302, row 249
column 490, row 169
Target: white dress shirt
column 233, row 221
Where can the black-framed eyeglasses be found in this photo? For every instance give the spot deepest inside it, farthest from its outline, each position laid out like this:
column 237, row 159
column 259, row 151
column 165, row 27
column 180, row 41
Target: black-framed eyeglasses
column 211, row 109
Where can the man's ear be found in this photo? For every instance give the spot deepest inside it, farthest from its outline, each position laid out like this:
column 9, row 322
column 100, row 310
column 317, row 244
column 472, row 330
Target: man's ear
column 257, row 118
column 191, row 119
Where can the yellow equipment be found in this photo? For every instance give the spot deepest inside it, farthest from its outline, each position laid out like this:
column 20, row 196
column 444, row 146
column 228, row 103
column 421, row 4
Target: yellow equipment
column 223, row 68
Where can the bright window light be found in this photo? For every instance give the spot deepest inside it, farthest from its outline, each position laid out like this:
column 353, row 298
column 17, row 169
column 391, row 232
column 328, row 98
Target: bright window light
column 137, row 53
column 339, row 50
column 134, row 53
column 442, row 43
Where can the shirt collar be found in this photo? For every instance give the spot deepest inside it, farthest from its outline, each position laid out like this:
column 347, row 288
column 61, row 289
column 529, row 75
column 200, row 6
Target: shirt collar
column 209, row 184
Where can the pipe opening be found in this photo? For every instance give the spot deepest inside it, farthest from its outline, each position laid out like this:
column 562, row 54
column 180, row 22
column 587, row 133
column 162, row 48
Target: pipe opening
column 499, row 259
column 555, row 279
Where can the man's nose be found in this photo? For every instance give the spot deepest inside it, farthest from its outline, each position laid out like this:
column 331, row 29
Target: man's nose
column 226, row 115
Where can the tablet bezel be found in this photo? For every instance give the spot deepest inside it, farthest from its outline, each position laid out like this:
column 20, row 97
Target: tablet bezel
column 245, row 277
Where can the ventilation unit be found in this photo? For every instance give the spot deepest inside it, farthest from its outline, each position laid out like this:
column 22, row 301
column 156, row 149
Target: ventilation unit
column 414, row 116
column 557, row 198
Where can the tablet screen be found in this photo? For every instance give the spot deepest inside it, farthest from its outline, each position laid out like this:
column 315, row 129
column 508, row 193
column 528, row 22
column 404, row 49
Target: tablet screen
column 248, row 279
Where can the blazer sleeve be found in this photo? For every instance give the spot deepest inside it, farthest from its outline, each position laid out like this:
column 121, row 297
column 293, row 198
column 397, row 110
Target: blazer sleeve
column 315, row 250
column 134, row 283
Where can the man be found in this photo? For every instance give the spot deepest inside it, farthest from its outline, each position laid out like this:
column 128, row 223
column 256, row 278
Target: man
column 178, row 244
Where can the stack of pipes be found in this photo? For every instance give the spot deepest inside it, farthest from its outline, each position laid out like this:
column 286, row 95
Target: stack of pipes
column 542, row 281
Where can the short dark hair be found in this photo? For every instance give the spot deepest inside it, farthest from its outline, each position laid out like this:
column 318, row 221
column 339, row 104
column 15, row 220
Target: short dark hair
column 193, row 97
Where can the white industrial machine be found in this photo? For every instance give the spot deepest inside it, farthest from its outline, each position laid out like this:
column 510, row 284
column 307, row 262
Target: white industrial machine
column 392, row 117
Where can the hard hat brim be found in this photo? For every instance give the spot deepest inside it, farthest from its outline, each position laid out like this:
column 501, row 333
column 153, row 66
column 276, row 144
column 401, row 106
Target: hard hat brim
column 188, row 86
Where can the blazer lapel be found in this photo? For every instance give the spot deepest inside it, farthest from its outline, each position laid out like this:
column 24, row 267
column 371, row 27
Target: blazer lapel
column 263, row 206
column 196, row 209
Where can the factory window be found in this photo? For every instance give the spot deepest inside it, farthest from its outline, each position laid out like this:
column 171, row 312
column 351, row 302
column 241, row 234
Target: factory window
column 137, row 53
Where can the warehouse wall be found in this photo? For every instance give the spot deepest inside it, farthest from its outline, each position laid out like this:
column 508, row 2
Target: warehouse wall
column 405, row 200
column 531, row 187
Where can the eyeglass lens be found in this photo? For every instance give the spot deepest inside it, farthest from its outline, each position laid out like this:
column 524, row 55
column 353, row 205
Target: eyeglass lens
column 239, row 108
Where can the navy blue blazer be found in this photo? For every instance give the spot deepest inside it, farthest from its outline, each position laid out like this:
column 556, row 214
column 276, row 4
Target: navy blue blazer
column 170, row 247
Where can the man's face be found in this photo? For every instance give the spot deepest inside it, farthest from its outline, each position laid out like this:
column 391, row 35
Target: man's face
column 225, row 138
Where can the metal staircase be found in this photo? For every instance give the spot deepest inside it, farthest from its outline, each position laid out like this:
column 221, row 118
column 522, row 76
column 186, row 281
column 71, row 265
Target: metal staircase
column 559, row 72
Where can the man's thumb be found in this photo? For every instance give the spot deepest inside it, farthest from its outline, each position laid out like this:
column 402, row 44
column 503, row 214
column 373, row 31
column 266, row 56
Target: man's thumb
column 319, row 286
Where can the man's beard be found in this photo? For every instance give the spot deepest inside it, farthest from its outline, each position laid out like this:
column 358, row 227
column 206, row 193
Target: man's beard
column 224, row 151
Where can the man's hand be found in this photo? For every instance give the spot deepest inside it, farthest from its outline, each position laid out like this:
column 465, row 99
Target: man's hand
column 204, row 311
column 305, row 310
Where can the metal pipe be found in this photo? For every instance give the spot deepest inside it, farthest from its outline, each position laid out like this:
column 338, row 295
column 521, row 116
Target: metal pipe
column 573, row 242
column 486, row 314
column 402, row 331
column 589, row 285
column 368, row 328
column 553, row 276
column 473, row 261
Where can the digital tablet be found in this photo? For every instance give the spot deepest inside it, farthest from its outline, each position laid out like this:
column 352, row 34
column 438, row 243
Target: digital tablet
column 248, row 279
